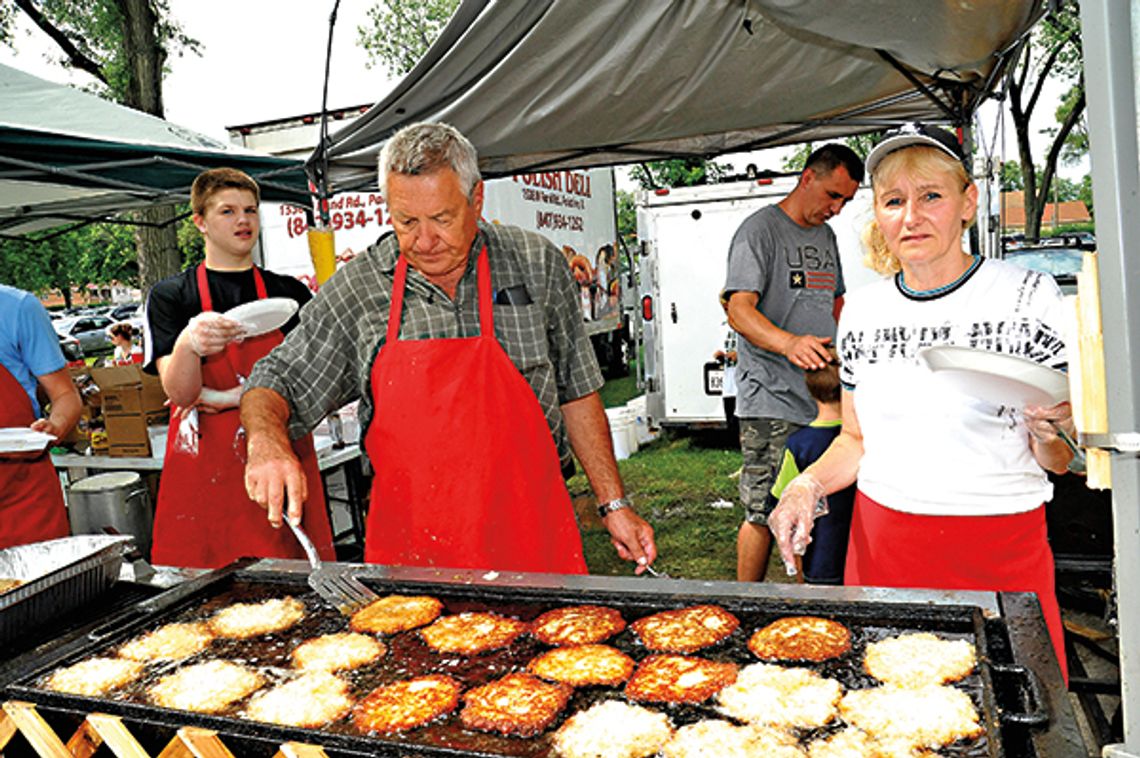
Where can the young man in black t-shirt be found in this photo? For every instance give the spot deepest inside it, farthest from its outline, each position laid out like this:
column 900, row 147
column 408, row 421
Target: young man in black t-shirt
column 203, row 517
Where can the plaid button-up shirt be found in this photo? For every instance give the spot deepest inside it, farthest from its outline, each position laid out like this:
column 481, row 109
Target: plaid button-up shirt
column 326, row 361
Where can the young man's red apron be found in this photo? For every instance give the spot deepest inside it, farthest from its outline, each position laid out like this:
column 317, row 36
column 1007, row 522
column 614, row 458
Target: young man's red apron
column 31, row 501
column 467, row 475
column 204, row 518
column 1010, row 553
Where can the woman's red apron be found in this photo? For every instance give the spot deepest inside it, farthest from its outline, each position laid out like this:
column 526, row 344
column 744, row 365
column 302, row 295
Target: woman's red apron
column 203, row 518
column 467, row 475
column 1009, row 553
column 31, row 501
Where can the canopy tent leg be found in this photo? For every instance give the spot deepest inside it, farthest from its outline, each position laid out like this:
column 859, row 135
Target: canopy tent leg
column 1110, row 40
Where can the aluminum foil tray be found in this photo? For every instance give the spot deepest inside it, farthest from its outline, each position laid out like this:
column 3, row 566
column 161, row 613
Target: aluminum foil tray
column 59, row 577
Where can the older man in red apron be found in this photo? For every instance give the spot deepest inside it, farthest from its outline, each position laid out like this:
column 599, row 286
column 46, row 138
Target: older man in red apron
column 467, row 341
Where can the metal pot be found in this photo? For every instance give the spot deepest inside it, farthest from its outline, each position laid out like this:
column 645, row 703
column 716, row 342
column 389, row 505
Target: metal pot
column 119, row 500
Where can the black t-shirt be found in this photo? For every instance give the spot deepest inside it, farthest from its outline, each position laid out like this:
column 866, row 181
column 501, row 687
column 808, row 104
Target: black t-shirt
column 174, row 301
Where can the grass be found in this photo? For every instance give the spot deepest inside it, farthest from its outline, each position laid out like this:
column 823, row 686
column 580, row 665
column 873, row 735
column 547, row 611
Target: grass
column 682, row 483
column 620, row 391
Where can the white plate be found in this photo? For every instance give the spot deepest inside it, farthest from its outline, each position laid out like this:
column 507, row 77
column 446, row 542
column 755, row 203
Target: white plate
column 21, row 439
column 261, row 316
column 997, row 378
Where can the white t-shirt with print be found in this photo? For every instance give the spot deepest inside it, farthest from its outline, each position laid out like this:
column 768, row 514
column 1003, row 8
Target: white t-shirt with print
column 928, row 447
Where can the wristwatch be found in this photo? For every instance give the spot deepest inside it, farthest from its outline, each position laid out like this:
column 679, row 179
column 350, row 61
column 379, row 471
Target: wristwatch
column 605, row 509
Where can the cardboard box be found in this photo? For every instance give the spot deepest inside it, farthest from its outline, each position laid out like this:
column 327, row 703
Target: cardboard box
column 127, row 434
column 153, row 396
column 127, row 390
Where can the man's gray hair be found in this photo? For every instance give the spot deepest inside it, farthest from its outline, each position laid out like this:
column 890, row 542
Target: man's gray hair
column 426, row 147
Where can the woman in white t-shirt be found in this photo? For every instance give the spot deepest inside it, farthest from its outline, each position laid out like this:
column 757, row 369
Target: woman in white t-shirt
column 951, row 488
column 126, row 351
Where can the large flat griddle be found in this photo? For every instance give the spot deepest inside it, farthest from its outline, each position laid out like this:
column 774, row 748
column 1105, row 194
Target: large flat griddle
column 1016, row 689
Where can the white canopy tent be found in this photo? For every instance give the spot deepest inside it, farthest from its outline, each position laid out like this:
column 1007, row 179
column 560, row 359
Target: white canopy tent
column 539, row 84
column 69, row 157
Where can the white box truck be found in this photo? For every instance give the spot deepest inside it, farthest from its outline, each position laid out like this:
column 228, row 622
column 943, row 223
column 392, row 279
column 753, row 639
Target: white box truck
column 573, row 208
column 684, row 235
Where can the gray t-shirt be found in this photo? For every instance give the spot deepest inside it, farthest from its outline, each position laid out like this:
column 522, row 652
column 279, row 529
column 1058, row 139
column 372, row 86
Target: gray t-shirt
column 797, row 274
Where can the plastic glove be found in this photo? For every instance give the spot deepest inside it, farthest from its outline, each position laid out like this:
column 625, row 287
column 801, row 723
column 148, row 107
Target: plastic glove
column 214, row 401
column 209, row 332
column 186, row 439
column 801, row 503
column 1043, row 423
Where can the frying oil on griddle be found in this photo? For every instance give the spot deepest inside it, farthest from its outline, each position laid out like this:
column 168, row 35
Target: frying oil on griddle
column 408, row 656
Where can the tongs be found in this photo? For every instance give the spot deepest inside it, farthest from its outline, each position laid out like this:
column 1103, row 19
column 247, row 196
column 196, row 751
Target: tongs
column 337, row 586
column 1078, row 454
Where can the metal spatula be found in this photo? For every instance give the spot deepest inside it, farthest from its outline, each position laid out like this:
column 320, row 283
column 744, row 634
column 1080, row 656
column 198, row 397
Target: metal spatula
column 334, row 584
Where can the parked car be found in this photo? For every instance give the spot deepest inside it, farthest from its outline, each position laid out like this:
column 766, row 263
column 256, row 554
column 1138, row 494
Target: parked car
column 124, row 312
column 1062, row 263
column 72, row 350
column 91, row 331
column 1083, row 240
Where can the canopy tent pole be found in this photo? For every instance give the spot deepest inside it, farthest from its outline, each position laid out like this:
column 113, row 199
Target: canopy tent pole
column 322, row 244
column 1110, row 44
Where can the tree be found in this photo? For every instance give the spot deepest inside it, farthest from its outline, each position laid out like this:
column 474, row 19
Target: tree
column 626, row 217
column 91, row 254
column 677, row 172
column 402, row 31
column 860, row 143
column 1011, row 177
column 1053, row 51
column 124, row 45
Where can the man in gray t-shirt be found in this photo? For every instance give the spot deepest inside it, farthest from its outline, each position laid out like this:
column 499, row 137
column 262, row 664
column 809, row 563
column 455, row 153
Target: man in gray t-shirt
column 785, row 289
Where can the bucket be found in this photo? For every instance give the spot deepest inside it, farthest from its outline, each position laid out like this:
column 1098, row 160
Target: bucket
column 119, row 500
column 640, row 421
column 621, row 430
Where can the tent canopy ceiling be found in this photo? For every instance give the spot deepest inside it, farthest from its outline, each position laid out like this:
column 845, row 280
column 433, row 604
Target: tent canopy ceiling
column 69, row 157
column 541, row 84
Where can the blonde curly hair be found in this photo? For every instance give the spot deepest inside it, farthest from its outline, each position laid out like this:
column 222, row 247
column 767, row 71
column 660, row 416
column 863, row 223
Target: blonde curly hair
column 922, row 161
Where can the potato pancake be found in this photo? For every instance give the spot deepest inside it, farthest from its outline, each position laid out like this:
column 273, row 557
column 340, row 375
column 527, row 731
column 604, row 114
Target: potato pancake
column 396, row 613
column 205, row 687
column 781, row 697
column 242, row 620
column 930, row 716
column 517, row 704
column 800, row 638
column 171, row 642
column 472, row 633
column 337, row 652
column 577, row 625
column 855, row 743
column 613, row 729
column 408, row 704
column 94, row 676
column 724, row 740
column 312, row 699
column 583, row 665
column 915, row 660
column 678, row 679
column 685, row 630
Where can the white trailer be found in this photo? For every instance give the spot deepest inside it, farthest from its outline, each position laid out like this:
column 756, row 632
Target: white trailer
column 685, row 234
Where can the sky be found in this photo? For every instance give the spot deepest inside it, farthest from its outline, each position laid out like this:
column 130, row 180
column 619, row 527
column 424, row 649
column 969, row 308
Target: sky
column 264, row 59
column 261, row 60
